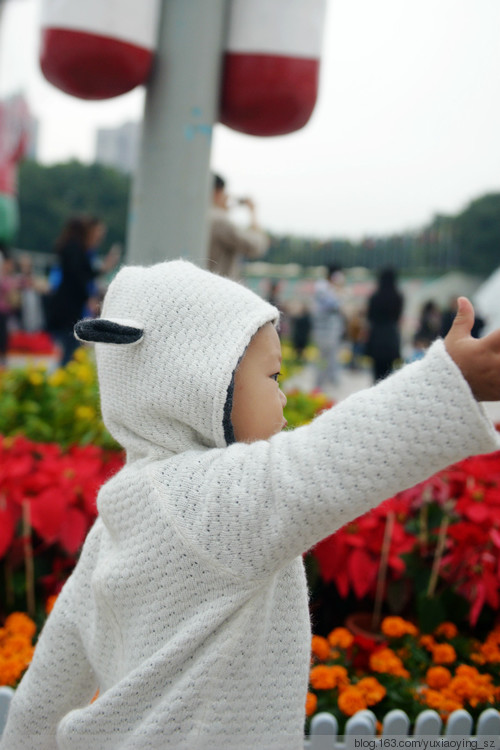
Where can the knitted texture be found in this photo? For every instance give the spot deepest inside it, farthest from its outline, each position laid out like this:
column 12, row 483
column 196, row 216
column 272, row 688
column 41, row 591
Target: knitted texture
column 188, row 607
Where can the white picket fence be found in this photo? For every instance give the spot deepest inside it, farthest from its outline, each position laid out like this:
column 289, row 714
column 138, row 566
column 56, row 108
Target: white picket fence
column 324, row 727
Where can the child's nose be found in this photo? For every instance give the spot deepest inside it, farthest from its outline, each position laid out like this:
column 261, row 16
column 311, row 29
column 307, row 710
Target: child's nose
column 283, row 398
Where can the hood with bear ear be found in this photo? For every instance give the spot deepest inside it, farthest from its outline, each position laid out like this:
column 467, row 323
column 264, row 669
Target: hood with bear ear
column 173, row 336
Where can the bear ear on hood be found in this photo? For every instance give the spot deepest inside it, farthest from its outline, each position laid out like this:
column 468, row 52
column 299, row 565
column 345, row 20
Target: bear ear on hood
column 109, row 331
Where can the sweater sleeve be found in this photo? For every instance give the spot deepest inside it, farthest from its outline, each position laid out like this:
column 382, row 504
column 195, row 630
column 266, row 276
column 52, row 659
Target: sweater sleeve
column 58, row 680
column 260, row 505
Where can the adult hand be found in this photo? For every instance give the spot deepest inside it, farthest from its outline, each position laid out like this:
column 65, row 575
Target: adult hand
column 478, row 359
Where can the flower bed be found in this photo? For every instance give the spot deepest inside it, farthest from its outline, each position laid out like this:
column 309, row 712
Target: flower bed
column 56, row 407
column 437, row 546
column 430, row 553
column 411, row 671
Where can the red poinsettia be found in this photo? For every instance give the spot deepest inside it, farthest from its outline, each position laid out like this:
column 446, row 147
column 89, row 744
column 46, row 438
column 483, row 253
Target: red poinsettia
column 55, row 490
column 466, row 515
column 351, row 557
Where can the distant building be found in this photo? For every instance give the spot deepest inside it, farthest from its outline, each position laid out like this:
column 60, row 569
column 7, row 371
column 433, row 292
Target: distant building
column 118, row 147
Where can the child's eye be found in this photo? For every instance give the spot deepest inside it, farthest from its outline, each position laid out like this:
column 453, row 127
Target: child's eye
column 276, row 376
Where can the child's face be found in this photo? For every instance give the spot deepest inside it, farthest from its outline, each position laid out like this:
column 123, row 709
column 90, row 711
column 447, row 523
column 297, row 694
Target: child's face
column 258, row 402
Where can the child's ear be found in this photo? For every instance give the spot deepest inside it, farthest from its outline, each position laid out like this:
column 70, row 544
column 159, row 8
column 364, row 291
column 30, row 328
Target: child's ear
column 109, row 331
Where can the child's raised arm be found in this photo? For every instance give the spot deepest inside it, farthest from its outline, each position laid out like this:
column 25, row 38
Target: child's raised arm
column 478, row 359
column 254, row 507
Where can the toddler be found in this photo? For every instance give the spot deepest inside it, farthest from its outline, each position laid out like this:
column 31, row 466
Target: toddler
column 188, row 607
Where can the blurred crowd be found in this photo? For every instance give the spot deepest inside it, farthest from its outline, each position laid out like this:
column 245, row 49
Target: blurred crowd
column 56, row 298
column 358, row 332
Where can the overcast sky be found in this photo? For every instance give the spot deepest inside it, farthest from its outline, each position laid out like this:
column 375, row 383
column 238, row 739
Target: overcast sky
column 407, row 122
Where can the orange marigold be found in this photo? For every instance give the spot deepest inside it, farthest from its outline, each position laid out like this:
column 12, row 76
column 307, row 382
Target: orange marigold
column 323, row 677
column 20, row 623
column 447, row 630
column 427, row 641
column 320, row 647
column 396, row 627
column 11, row 671
column 448, row 706
column 482, row 694
column 311, row 704
column 371, row 690
column 49, row 604
column 438, row 677
column 443, row 653
column 341, row 637
column 386, row 661
column 351, row 700
column 465, row 670
column 489, row 651
column 433, row 699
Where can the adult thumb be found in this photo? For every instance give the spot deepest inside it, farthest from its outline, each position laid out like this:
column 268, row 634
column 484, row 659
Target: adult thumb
column 464, row 319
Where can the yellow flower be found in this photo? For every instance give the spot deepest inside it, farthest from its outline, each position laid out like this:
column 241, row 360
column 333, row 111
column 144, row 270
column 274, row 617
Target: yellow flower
column 57, row 378
column 81, row 355
column 85, row 413
column 35, row 377
column 81, row 371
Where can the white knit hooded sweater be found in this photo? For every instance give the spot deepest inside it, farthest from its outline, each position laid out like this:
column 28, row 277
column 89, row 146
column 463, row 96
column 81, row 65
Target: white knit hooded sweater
column 188, row 607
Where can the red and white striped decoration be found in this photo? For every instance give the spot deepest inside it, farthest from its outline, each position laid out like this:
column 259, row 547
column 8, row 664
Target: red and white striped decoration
column 97, row 49
column 271, row 65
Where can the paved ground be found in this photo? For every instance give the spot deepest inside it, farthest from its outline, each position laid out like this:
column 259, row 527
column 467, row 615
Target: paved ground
column 355, row 380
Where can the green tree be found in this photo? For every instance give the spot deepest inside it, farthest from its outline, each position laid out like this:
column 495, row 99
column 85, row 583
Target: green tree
column 49, row 195
column 477, row 234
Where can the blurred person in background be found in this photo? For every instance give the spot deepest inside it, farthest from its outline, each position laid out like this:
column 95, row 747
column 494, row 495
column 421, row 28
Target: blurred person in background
column 9, row 300
column 301, row 325
column 385, row 308
column 328, row 325
column 74, row 293
column 229, row 244
column 429, row 324
column 32, row 288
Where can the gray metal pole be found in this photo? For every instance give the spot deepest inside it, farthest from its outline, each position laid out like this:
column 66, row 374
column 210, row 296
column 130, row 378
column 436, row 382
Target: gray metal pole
column 171, row 188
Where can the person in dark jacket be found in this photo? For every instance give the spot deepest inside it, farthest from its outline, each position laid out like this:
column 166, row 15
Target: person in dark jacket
column 64, row 307
column 384, row 313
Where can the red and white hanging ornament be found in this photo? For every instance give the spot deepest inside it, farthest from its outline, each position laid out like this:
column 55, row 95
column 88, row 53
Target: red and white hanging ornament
column 98, row 49
column 271, row 66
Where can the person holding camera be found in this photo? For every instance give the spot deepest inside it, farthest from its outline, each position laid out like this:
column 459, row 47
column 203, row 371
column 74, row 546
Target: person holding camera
column 228, row 242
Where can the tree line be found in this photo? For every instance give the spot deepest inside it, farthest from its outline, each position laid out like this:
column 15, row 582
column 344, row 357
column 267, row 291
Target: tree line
column 469, row 240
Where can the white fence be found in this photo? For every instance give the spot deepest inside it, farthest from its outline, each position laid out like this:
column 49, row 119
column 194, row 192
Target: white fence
column 324, row 727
